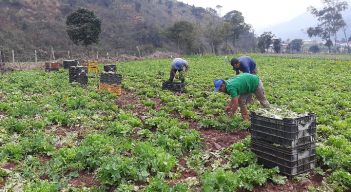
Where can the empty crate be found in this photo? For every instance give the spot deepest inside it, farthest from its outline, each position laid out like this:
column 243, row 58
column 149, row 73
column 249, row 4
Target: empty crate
column 51, row 67
column 291, row 161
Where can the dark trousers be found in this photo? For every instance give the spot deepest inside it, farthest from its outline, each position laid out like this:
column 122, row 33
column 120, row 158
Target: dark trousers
column 171, row 76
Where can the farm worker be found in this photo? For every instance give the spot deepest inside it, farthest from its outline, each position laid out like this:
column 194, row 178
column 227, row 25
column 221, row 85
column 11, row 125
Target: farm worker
column 247, row 65
column 177, row 65
column 242, row 84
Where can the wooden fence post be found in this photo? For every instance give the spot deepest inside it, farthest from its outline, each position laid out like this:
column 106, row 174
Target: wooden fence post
column 69, row 56
column 138, row 51
column 51, row 54
column 13, row 57
column 107, row 56
column 97, row 55
column 36, row 58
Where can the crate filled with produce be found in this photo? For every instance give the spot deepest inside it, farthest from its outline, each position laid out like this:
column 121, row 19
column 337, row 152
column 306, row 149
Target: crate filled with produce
column 78, row 74
column 285, row 139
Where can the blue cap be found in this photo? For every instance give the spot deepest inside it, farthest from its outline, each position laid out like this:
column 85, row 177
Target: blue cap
column 178, row 65
column 217, row 83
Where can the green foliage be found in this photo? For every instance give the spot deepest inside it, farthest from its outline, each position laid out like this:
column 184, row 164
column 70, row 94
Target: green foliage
column 117, row 170
column 42, row 186
column 150, row 104
column 264, row 41
column 120, row 129
column 93, row 148
column 161, row 185
column 240, row 159
column 83, row 26
column 219, row 180
column 10, row 151
column 152, row 158
column 342, row 178
column 295, row 45
column 169, row 145
column 13, row 125
column 77, row 103
column 197, row 158
column 314, row 49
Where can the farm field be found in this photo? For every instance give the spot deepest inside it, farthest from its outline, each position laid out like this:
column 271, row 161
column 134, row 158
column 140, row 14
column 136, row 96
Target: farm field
column 56, row 136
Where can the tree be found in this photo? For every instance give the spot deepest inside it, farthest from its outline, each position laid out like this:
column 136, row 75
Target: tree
column 295, row 45
column 213, row 30
column 182, row 34
column 314, row 49
column 265, row 41
column 346, row 41
column 83, row 26
column 137, row 6
column 276, row 45
column 169, row 4
column 330, row 19
column 236, row 22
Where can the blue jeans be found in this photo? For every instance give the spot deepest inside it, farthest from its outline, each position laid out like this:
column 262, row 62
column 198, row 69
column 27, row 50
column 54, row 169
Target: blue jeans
column 171, row 77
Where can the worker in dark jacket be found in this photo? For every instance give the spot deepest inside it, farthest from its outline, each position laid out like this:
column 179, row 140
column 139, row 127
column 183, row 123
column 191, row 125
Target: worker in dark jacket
column 239, row 87
column 245, row 64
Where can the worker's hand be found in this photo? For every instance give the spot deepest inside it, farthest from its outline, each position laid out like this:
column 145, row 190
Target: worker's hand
column 175, row 76
column 184, row 73
column 230, row 115
column 227, row 109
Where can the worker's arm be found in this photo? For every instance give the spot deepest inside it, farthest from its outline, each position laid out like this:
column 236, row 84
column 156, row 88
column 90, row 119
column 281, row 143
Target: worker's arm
column 237, row 72
column 233, row 106
column 186, row 70
column 174, row 73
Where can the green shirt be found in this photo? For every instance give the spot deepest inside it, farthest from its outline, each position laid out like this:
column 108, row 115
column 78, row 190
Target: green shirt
column 241, row 84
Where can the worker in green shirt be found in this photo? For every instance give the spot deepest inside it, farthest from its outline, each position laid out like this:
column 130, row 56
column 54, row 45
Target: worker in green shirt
column 242, row 84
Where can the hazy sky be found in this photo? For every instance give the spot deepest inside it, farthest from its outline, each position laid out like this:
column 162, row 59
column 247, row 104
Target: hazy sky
column 261, row 13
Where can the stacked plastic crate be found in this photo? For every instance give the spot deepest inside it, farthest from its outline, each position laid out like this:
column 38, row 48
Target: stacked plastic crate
column 288, row 143
column 110, row 68
column 68, row 63
column 78, row 74
column 51, row 67
column 111, row 82
column 92, row 66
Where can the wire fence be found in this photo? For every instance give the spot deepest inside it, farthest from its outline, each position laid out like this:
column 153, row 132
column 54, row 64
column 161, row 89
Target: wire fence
column 10, row 57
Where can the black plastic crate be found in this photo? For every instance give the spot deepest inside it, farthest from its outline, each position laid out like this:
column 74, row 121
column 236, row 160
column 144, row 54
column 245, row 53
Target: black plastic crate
column 283, row 152
column 290, row 160
column 174, row 86
column 111, row 78
column 288, row 131
column 281, row 140
column 78, row 74
column 68, row 63
column 167, row 85
column 179, row 87
column 110, row 68
column 300, row 166
column 51, row 70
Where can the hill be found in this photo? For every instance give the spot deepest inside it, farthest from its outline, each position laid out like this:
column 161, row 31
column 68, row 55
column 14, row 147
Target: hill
column 28, row 25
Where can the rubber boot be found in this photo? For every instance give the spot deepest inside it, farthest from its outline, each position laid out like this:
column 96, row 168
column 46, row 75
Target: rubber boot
column 245, row 114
